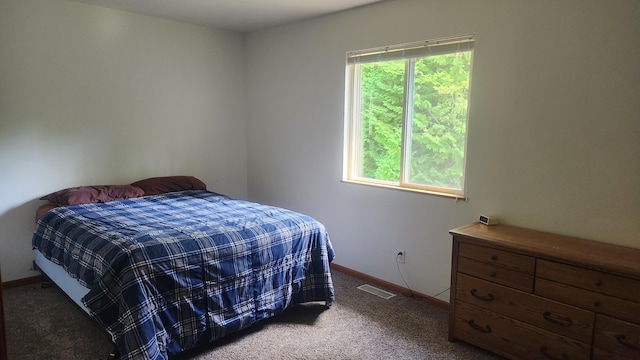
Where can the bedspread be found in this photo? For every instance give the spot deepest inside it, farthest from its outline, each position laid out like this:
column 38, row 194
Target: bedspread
column 170, row 272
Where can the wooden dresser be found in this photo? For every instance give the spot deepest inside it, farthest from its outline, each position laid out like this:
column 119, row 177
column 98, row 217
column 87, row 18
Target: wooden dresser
column 526, row 294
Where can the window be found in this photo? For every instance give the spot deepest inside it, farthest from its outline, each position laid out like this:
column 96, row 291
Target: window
column 406, row 115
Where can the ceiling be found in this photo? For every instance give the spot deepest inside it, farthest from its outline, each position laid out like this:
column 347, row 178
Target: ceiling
column 236, row 15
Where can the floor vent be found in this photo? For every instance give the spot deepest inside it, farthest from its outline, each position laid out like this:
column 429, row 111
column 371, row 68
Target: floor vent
column 375, row 291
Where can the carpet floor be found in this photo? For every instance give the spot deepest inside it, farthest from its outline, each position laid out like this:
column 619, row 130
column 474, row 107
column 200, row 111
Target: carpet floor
column 42, row 323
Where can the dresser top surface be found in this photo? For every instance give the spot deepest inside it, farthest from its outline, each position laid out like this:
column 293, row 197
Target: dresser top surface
column 602, row 256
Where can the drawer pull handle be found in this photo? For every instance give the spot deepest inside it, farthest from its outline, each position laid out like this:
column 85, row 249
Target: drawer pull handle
column 493, row 274
column 596, row 303
column 599, row 282
column 494, row 257
column 623, row 340
column 557, row 320
column 488, row 297
column 545, row 352
column 486, row 329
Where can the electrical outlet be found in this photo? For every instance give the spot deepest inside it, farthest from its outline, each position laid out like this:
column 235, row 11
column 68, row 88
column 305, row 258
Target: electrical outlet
column 400, row 255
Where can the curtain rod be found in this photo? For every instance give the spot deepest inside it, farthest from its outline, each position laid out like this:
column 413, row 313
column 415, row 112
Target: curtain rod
column 412, row 45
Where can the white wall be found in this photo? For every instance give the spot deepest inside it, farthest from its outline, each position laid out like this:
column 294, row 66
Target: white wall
column 90, row 95
column 95, row 96
column 554, row 132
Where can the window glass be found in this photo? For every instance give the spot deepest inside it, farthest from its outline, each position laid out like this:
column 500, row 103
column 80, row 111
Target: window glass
column 406, row 115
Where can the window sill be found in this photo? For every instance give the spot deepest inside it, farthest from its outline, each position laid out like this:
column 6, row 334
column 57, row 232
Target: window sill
column 415, row 190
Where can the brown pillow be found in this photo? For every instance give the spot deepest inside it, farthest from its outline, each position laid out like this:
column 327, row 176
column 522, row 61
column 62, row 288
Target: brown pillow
column 165, row 184
column 42, row 209
column 92, row 194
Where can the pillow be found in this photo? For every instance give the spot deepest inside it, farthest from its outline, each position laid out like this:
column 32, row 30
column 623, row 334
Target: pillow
column 165, row 184
column 42, row 209
column 93, row 194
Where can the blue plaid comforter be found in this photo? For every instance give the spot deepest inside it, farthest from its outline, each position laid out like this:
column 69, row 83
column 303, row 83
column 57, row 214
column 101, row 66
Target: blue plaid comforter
column 170, row 272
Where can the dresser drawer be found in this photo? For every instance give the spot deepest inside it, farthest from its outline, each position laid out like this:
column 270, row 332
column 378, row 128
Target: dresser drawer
column 616, row 339
column 550, row 315
column 590, row 300
column 504, row 259
column 512, row 338
column 597, row 281
column 496, row 274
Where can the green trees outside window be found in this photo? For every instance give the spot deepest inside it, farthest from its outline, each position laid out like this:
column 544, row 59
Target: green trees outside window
column 409, row 120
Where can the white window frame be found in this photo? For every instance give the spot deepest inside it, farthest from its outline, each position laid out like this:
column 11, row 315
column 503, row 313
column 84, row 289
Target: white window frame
column 410, row 52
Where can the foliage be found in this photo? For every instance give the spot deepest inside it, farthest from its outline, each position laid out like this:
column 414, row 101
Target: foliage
column 438, row 110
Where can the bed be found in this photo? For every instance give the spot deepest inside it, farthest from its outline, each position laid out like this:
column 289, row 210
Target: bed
column 167, row 271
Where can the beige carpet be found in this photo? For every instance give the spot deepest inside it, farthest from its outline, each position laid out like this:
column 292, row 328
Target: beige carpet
column 44, row 324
